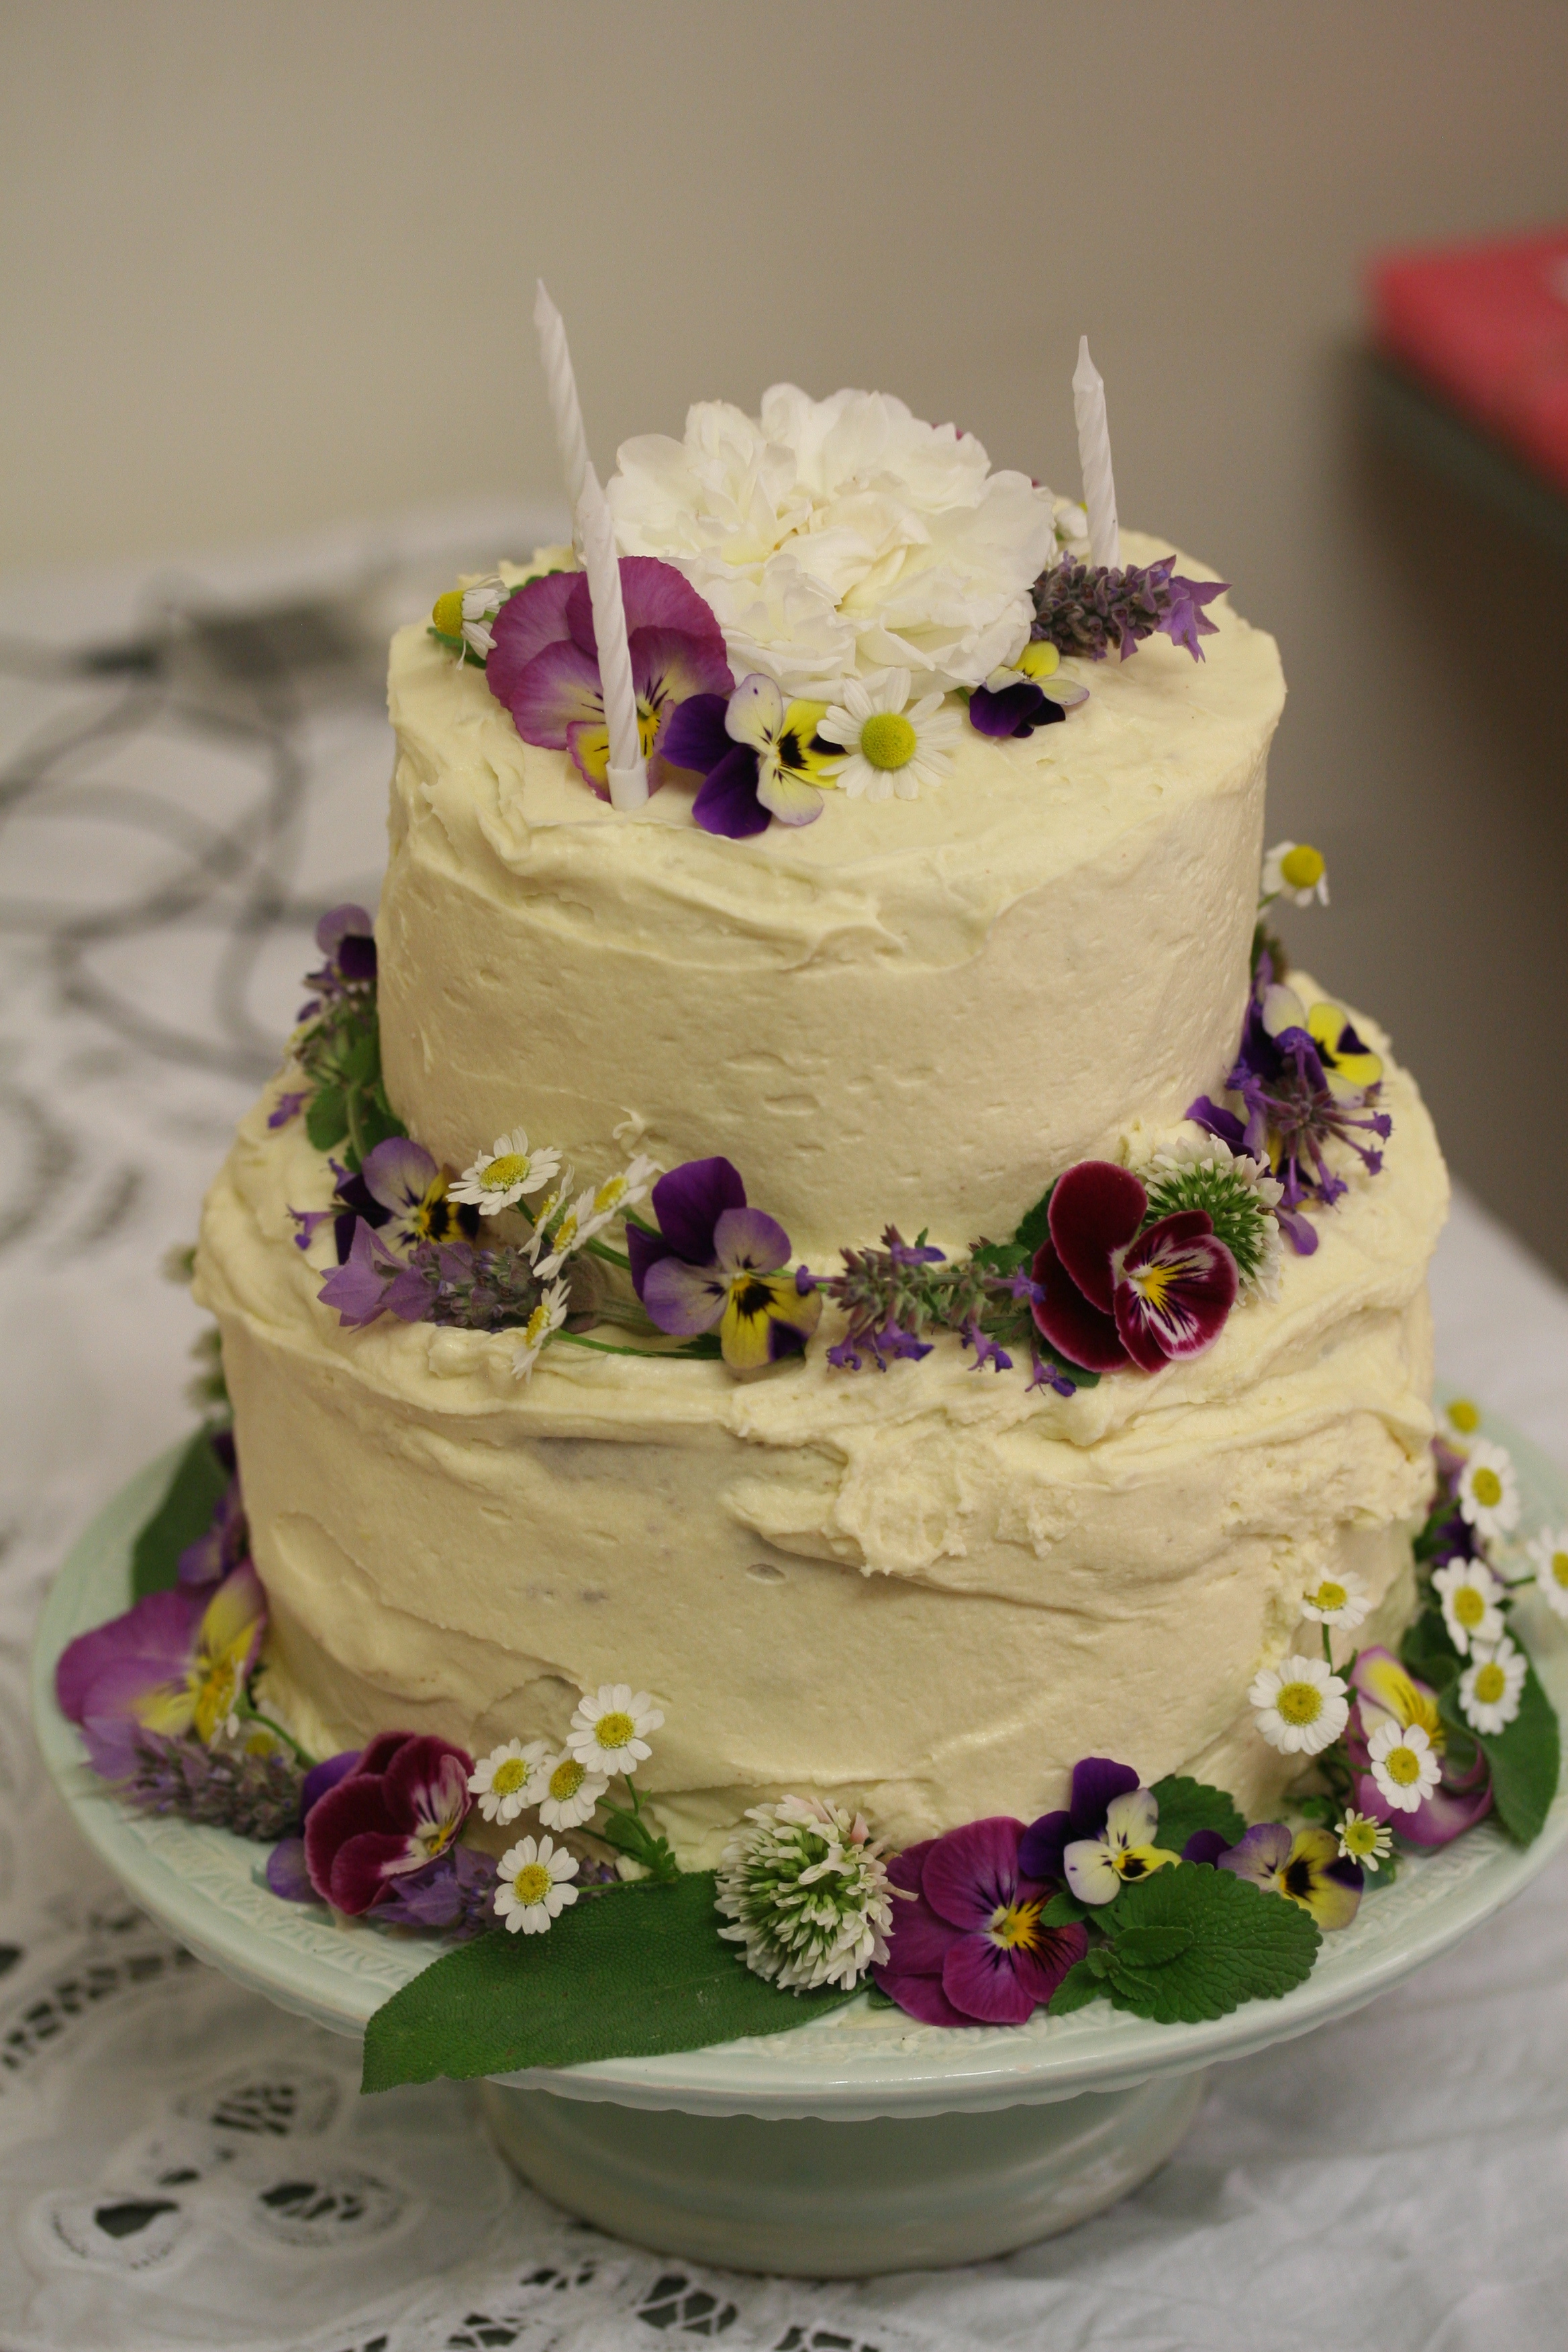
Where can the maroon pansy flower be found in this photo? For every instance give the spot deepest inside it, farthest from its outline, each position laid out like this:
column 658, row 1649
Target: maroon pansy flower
column 1113, row 1291
column 398, row 1810
column 966, row 1946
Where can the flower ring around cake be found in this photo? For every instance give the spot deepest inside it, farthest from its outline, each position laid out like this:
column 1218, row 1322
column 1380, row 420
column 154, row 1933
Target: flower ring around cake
column 975, row 2140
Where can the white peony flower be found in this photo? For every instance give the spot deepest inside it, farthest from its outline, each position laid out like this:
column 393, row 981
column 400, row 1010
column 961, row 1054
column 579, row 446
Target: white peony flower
column 1491, row 1688
column 609, row 1731
column 531, row 1884
column 893, row 745
column 835, row 537
column 1403, row 1764
column 510, row 1778
column 1469, row 1594
column 1301, row 1705
column 1549, row 1557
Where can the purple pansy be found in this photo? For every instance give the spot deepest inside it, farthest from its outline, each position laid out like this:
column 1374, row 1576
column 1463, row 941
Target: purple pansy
column 546, row 663
column 715, row 1262
column 346, row 937
column 226, row 1539
column 176, row 1663
column 966, row 1946
column 760, row 757
column 1386, row 1692
column 1015, row 710
column 1097, row 1781
column 398, row 1810
column 1113, row 1291
column 374, row 1281
column 1306, row 1867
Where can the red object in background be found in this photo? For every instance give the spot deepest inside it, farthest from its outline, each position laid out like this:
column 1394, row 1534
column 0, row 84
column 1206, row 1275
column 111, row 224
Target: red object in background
column 1486, row 328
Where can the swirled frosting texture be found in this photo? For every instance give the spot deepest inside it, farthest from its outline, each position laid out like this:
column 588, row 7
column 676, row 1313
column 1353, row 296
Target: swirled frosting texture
column 912, row 1011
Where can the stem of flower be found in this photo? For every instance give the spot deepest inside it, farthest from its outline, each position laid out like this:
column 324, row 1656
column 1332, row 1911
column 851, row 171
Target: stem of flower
column 611, row 1256
column 253, row 1714
column 1328, row 1651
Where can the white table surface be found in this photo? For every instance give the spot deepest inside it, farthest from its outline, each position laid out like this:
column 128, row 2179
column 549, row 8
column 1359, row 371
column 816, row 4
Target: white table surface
column 180, row 2165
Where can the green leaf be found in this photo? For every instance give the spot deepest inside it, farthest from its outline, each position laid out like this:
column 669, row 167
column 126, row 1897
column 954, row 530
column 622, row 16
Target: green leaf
column 999, row 1258
column 630, row 1833
column 636, row 1971
column 1035, row 1226
column 1188, row 1805
column 1525, row 1759
column 326, row 1118
column 1081, row 1984
column 1427, row 1653
column 185, row 1512
column 877, row 1999
column 1150, row 1947
column 1241, row 1945
column 1064, row 1910
column 360, row 1064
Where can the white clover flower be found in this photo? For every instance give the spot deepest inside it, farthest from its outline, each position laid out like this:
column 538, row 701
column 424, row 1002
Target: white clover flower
column 1489, row 1490
column 532, row 1891
column 609, row 1731
column 1491, row 1688
column 500, row 1177
column 571, row 1791
column 510, row 1778
column 1341, row 1601
column 1403, row 1764
column 1301, row 1705
column 807, row 1890
column 1549, row 1557
column 1469, row 1593
column 614, row 1196
column 838, row 537
column 1240, row 1195
column 1293, row 870
column 890, row 748
column 539, row 1330
column 463, row 616
column 1364, row 1839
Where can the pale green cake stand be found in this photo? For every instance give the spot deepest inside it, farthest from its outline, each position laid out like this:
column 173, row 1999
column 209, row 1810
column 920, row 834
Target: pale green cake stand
column 861, row 2143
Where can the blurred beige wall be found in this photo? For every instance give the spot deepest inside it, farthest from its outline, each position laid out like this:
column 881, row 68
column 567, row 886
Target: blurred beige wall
column 270, row 265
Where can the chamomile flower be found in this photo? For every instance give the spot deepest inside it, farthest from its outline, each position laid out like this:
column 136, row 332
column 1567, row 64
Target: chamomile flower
column 609, row 1731
column 614, row 1196
column 1491, row 1688
column 557, row 1235
column 531, row 1884
column 1489, row 1490
column 500, row 1177
column 1469, row 1593
column 1364, row 1839
column 1464, row 1416
column 1301, row 1705
column 890, row 748
column 1403, row 1764
column 1549, row 1555
column 1293, row 870
column 510, row 1778
column 462, row 617
column 539, row 1330
column 571, row 1791
column 1342, row 1600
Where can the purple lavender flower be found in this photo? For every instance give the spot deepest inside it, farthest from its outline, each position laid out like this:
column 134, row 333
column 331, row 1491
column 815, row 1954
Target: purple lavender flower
column 1083, row 608
column 250, row 1787
column 287, row 1107
column 986, row 1350
column 455, row 1895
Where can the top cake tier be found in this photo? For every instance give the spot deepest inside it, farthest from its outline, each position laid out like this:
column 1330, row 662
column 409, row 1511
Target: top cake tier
column 915, row 1012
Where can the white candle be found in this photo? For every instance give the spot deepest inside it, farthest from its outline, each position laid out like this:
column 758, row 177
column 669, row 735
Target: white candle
column 570, row 437
column 596, row 532
column 1094, row 457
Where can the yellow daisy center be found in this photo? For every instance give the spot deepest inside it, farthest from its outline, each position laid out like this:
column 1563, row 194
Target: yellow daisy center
column 1560, row 1569
column 1361, row 1837
column 447, row 614
column 1016, row 1924
column 609, row 1195
column 1487, row 1488
column 614, row 1730
column 532, row 1882
column 565, row 1233
column 503, row 1173
column 888, row 741
column 1299, row 1703
column 568, row 1779
column 1490, row 1682
column 1404, row 1764
column 533, row 1329
column 510, row 1777
column 1464, row 1415
column 1330, row 1595
column 1470, row 1607
column 1301, row 868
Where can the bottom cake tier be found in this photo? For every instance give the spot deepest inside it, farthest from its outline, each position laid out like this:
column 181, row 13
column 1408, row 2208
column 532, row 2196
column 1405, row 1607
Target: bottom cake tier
column 924, row 1591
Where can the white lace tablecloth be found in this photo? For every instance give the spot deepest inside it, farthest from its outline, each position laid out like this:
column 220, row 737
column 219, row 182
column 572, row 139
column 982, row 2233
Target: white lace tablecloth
column 190, row 769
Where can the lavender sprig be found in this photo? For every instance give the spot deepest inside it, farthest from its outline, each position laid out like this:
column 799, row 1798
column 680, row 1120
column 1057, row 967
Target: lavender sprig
column 895, row 1296
column 1083, row 608
column 255, row 1795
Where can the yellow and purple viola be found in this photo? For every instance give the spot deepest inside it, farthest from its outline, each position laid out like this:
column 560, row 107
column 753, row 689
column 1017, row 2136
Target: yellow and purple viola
column 760, row 757
column 546, row 663
column 966, row 1946
column 1306, row 1867
column 176, row 1665
column 717, row 1263
column 1112, row 1290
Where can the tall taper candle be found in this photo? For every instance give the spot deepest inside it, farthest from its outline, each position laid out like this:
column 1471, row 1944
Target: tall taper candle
column 596, row 534
column 1094, row 457
column 570, row 437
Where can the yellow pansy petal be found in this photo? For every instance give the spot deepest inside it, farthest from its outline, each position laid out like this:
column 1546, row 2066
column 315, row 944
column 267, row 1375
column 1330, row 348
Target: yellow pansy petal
column 1038, row 659
column 757, row 1303
column 1387, row 1685
column 1326, row 1024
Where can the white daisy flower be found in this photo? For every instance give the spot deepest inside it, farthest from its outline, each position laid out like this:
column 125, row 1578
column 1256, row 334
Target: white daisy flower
column 1549, row 1555
column 1489, row 1490
column 571, row 1791
column 1469, row 1593
column 558, row 1236
column 609, row 1731
column 1364, row 1839
column 1492, row 1687
column 498, row 1178
column 1301, row 1705
column 532, row 1891
column 1337, row 1601
column 1403, row 1764
column 1292, row 870
column 510, row 1778
column 890, row 749
column 462, row 617
column 1464, row 1416
column 614, row 1196
column 539, row 1330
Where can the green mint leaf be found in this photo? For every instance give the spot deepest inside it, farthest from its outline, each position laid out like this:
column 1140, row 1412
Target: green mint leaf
column 190, row 1499
column 637, row 1971
column 998, row 1257
column 1150, row 1947
column 326, row 1118
column 1081, row 1984
column 1064, row 1910
column 1242, row 1945
column 1427, row 1653
column 1188, row 1805
column 1035, row 1227
column 1525, row 1759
